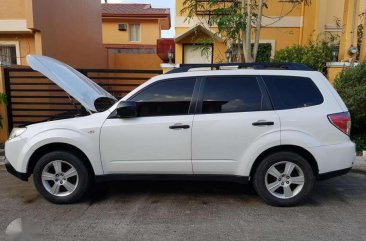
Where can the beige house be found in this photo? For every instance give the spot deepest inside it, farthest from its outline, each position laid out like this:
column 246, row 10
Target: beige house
column 65, row 30
column 130, row 33
column 283, row 24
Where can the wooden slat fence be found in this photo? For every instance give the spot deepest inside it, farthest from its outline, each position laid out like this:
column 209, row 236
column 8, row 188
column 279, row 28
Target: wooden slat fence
column 33, row 98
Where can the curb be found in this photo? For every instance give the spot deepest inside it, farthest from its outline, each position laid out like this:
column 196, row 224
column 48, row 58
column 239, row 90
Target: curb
column 359, row 165
column 358, row 171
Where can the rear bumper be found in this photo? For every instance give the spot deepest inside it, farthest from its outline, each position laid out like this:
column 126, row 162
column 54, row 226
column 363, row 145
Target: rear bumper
column 11, row 170
column 334, row 158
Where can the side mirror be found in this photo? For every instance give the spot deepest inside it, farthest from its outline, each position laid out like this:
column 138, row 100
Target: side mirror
column 127, row 109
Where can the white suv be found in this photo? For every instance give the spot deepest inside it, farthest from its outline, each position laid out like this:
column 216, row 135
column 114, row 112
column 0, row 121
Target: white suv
column 279, row 129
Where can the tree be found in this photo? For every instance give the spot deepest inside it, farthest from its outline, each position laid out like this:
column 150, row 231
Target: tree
column 235, row 20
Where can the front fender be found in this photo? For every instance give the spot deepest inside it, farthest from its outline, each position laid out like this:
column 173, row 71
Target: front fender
column 87, row 142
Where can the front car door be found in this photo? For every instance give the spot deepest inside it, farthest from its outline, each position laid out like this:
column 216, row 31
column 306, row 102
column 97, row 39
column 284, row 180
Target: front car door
column 233, row 113
column 158, row 141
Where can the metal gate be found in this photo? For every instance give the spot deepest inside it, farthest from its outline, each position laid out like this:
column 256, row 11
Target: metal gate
column 33, row 98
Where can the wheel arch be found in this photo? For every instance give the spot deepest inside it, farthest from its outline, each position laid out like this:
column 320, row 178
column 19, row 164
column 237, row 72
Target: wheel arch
column 291, row 148
column 58, row 146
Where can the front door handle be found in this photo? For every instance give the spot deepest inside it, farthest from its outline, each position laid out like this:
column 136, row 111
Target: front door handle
column 263, row 123
column 179, row 126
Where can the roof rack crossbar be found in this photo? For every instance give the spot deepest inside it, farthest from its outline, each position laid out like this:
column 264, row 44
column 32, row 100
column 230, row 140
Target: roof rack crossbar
column 284, row 66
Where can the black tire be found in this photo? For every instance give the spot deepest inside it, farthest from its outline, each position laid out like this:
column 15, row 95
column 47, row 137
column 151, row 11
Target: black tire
column 84, row 182
column 259, row 179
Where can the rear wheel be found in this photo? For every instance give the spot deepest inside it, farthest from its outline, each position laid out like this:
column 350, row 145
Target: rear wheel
column 283, row 179
column 61, row 177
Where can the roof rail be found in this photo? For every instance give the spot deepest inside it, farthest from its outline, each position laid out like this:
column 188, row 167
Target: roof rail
column 281, row 66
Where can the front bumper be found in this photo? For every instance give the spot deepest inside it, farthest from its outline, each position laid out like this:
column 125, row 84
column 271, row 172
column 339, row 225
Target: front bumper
column 22, row 176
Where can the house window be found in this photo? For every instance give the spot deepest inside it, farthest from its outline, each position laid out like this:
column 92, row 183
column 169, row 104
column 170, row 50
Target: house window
column 134, row 32
column 8, row 54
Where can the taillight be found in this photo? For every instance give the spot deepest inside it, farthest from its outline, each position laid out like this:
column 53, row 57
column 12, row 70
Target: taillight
column 342, row 121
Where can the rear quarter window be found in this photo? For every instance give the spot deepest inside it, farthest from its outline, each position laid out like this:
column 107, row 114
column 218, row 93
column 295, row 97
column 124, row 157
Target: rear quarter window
column 290, row 92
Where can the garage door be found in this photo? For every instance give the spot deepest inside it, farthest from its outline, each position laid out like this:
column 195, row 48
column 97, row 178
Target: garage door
column 195, row 55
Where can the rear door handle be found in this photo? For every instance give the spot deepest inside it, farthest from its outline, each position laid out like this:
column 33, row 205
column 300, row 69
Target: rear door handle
column 263, row 123
column 179, row 126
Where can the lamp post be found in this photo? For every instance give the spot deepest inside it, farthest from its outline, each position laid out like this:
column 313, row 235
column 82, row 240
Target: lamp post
column 335, row 52
column 228, row 54
column 170, row 55
column 352, row 51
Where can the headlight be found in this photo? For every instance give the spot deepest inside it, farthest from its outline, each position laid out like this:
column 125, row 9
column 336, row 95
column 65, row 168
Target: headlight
column 16, row 132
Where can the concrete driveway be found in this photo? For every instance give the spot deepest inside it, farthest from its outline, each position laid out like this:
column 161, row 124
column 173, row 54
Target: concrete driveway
column 189, row 211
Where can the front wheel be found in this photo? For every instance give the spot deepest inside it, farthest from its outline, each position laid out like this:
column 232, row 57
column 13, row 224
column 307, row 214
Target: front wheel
column 61, row 177
column 283, row 179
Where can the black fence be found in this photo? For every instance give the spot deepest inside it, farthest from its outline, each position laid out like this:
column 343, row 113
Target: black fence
column 33, row 98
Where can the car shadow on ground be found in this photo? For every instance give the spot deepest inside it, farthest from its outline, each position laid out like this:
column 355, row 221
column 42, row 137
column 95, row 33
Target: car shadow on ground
column 124, row 189
column 343, row 189
column 339, row 189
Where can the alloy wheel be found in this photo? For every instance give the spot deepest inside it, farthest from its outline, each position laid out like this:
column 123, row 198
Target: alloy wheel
column 284, row 179
column 60, row 178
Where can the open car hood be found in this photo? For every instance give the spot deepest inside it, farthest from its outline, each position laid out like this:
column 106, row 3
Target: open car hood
column 77, row 85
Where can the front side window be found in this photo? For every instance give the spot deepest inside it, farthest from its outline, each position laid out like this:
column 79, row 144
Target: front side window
column 165, row 98
column 232, row 94
column 8, row 54
column 289, row 92
column 134, row 32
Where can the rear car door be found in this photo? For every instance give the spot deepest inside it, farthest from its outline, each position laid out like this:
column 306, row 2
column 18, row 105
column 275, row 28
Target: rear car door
column 233, row 112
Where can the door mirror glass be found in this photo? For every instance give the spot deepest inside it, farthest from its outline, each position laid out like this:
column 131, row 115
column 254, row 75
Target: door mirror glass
column 127, row 109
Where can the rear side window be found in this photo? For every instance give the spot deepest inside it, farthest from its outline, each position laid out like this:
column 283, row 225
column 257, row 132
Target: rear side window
column 232, row 94
column 165, row 98
column 290, row 92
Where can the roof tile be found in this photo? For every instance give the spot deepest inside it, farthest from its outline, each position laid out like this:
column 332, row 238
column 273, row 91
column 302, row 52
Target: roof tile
column 132, row 8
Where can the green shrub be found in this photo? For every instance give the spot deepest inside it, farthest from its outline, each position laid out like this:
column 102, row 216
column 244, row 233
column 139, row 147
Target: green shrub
column 315, row 55
column 351, row 85
column 360, row 142
column 264, row 52
column 263, row 55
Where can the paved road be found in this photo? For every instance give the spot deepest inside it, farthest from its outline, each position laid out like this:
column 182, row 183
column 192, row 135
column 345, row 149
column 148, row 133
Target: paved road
column 189, row 211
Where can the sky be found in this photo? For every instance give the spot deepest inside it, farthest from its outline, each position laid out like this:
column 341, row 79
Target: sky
column 156, row 4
